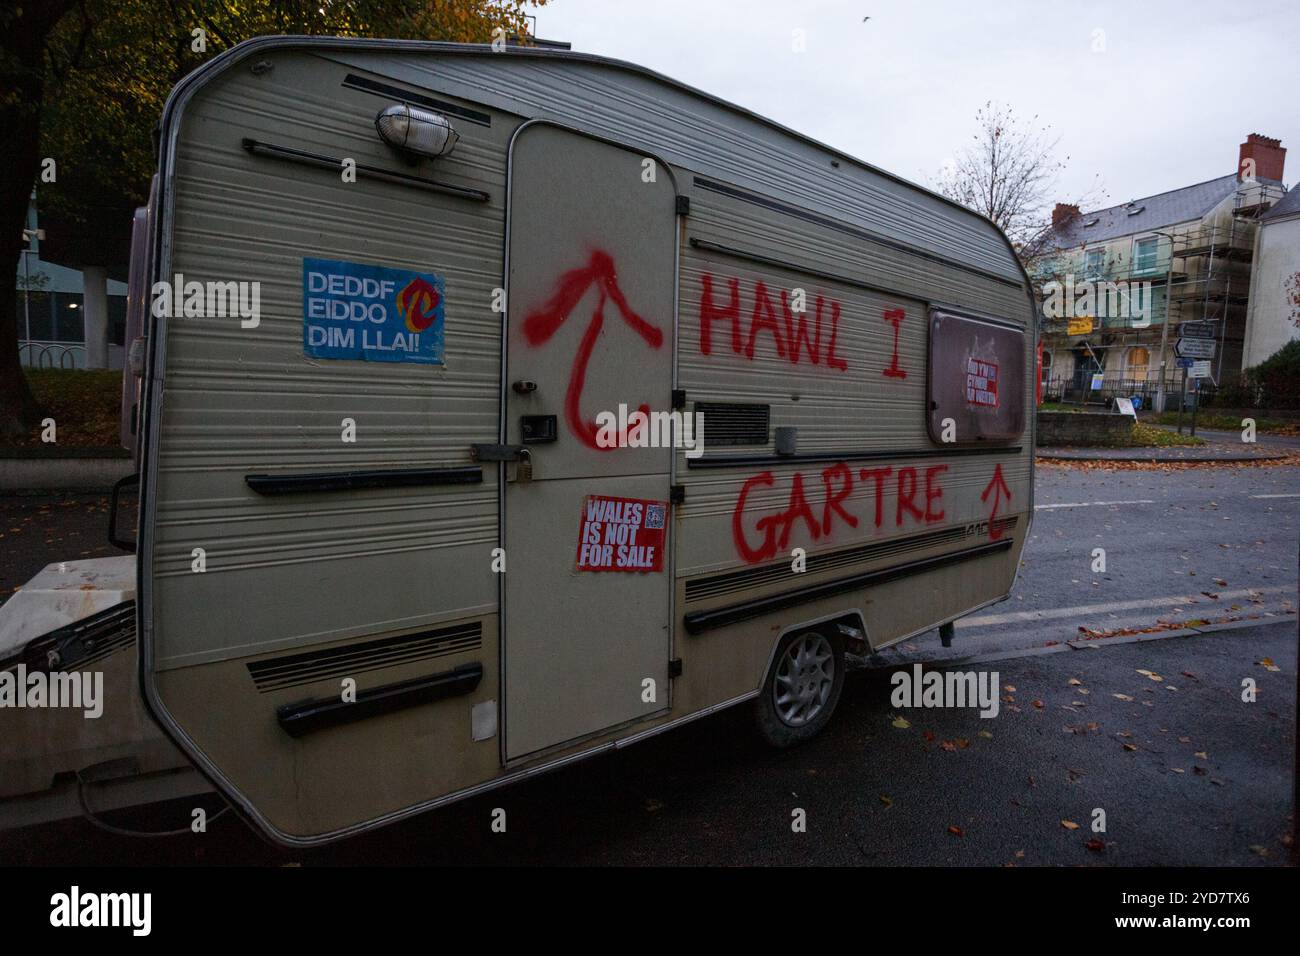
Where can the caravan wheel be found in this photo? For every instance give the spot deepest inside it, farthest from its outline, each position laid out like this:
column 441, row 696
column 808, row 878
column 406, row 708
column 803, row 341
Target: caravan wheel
column 802, row 687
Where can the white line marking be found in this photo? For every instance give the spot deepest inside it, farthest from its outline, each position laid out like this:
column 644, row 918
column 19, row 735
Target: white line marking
column 1089, row 504
column 1275, row 496
column 1225, row 597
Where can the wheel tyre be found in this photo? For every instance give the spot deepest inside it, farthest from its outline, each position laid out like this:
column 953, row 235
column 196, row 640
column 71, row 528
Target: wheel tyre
column 798, row 695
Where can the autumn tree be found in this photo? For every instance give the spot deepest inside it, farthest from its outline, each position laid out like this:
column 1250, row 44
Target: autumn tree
column 84, row 81
column 1008, row 173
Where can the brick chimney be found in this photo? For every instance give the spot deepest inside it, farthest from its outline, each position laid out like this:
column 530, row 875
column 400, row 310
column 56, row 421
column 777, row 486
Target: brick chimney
column 1266, row 156
column 1063, row 213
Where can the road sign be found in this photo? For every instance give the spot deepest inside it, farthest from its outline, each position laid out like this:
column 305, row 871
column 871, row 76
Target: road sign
column 1195, row 348
column 1200, row 370
column 1096, row 381
column 1184, row 363
column 1198, row 330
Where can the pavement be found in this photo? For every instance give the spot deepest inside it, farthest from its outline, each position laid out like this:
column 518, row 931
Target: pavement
column 1209, row 452
column 1220, row 446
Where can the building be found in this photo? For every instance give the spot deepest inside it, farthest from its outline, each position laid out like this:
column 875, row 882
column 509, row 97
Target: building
column 1118, row 282
column 1273, row 316
column 58, row 307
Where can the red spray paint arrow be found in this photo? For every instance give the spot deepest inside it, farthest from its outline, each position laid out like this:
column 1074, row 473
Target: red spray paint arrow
column 998, row 487
column 543, row 323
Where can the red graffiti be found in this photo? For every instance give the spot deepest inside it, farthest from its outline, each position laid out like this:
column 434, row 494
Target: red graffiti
column 790, row 334
column 540, row 325
column 895, row 318
column 998, row 487
column 775, row 528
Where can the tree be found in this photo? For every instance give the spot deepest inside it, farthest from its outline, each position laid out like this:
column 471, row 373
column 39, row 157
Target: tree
column 1008, row 174
column 84, row 82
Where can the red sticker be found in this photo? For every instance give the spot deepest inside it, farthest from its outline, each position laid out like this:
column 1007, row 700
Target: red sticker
column 621, row 534
column 981, row 383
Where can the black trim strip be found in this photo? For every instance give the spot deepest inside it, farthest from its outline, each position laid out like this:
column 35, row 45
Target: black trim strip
column 313, row 715
column 352, row 81
column 808, row 216
column 352, row 480
column 274, row 151
column 697, row 622
column 754, row 461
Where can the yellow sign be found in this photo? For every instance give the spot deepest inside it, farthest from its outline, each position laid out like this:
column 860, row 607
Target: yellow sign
column 1081, row 326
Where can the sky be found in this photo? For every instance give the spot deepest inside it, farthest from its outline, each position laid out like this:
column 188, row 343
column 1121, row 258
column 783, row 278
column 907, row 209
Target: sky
column 1145, row 96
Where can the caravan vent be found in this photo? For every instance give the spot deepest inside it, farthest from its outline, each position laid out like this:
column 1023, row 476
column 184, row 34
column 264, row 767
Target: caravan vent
column 731, row 423
column 729, row 583
column 294, row 669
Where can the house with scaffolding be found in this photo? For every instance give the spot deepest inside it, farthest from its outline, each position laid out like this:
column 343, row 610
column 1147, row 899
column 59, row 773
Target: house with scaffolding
column 1119, row 282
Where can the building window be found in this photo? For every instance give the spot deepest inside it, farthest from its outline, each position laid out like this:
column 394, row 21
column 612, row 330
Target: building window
column 1094, row 262
column 1139, row 361
column 69, row 317
column 117, row 319
column 1145, row 254
column 1047, row 367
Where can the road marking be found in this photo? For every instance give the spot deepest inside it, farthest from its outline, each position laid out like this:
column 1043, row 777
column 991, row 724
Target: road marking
column 1082, row 609
column 1089, row 504
column 1276, row 496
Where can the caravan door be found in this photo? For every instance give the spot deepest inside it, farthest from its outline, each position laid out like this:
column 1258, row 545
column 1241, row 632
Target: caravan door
column 591, row 264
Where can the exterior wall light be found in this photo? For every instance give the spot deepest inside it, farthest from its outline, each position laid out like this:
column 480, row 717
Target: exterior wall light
column 415, row 131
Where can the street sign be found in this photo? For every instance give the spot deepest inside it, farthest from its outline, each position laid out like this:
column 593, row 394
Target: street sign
column 1125, row 407
column 1184, row 363
column 1195, row 348
column 1200, row 370
column 1096, row 381
column 1198, row 330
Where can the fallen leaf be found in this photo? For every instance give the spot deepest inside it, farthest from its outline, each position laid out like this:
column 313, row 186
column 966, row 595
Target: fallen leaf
column 886, row 801
column 955, row 831
column 1069, row 824
column 1121, row 696
column 901, row 723
column 1096, row 845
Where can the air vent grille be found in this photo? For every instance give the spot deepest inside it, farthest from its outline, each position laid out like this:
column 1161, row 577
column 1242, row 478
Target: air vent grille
column 733, row 423
column 295, row 669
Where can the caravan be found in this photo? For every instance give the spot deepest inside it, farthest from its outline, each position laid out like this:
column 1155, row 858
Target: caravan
column 385, row 560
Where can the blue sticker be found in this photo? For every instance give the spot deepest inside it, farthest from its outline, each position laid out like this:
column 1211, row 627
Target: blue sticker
column 371, row 313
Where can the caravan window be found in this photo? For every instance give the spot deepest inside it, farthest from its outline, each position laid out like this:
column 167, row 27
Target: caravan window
column 977, row 379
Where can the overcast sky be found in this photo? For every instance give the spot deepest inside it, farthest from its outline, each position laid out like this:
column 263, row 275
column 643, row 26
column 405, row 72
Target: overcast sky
column 1165, row 104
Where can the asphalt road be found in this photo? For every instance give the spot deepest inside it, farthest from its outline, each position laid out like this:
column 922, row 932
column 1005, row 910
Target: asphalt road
column 1184, row 544
column 1185, row 771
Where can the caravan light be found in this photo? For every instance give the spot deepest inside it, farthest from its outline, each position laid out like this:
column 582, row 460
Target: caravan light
column 416, row 131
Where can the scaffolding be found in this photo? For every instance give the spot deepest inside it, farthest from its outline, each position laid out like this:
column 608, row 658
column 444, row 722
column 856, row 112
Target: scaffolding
column 1213, row 284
